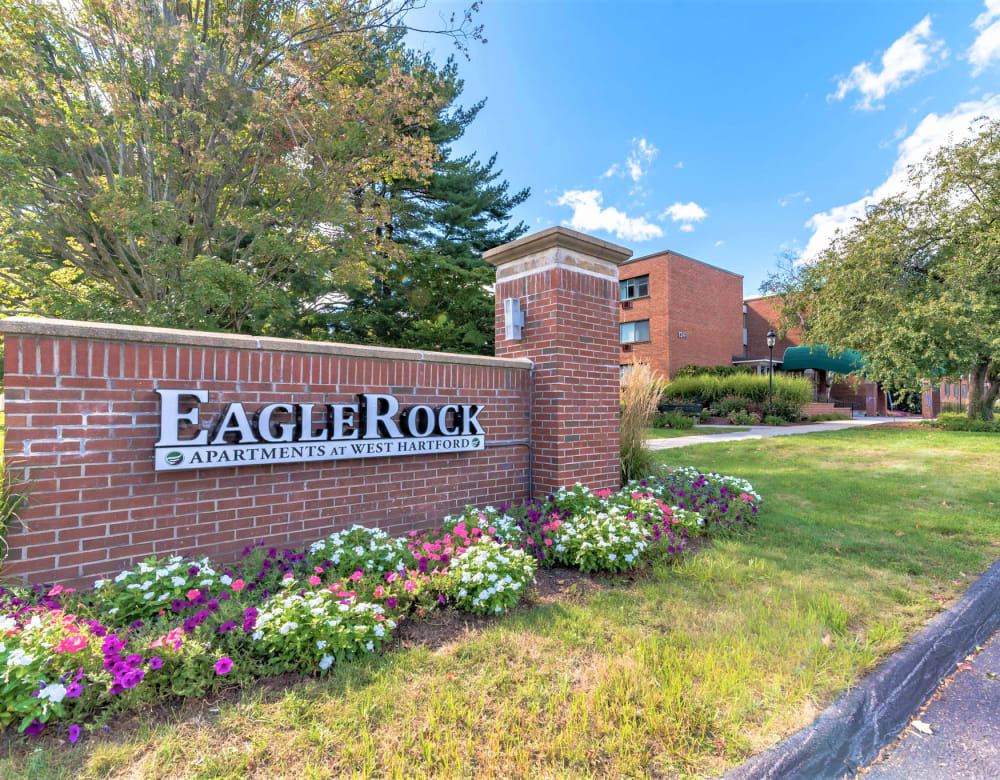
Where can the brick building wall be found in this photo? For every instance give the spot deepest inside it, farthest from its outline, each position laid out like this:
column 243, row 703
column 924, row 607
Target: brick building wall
column 705, row 303
column 761, row 316
column 82, row 418
column 653, row 307
column 688, row 297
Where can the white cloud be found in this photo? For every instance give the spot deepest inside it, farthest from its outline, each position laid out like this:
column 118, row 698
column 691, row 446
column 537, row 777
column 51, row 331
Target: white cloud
column 637, row 163
column 985, row 50
column 685, row 213
column 933, row 132
column 679, row 164
column 793, row 197
column 642, row 154
column 909, row 57
column 590, row 215
column 719, row 243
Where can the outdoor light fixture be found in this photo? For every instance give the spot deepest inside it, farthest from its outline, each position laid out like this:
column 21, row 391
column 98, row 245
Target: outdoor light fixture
column 772, row 339
column 513, row 319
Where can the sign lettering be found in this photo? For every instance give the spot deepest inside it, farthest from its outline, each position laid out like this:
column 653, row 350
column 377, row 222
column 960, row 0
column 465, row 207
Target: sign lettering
column 375, row 426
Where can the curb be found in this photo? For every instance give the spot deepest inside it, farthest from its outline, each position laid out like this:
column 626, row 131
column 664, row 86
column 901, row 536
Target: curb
column 852, row 730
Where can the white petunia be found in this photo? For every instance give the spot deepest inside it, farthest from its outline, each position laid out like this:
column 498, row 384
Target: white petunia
column 55, row 693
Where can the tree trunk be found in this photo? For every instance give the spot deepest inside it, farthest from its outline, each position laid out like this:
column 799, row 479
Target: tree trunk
column 981, row 399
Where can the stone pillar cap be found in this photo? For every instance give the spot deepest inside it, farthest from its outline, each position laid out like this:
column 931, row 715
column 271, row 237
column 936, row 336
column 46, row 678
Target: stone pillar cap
column 557, row 237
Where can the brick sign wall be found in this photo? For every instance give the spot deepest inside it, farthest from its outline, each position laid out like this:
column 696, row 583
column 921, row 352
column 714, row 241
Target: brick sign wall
column 83, row 418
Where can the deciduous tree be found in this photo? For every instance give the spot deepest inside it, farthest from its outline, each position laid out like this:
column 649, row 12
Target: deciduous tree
column 915, row 284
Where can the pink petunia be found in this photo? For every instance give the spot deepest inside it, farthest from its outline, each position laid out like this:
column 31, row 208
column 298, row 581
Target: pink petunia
column 193, row 594
column 223, row 665
column 314, row 580
column 410, row 585
column 56, row 590
column 238, row 585
column 71, row 644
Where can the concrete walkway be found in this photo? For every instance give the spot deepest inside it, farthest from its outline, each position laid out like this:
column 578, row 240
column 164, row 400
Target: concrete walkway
column 767, row 431
column 964, row 720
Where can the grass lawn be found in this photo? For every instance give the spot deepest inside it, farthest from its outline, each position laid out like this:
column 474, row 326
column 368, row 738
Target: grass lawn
column 682, row 670
column 670, row 433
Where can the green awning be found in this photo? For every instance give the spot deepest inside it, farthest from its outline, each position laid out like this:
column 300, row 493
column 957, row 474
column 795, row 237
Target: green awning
column 819, row 358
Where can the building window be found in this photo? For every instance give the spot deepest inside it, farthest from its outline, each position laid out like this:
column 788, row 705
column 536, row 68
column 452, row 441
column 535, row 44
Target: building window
column 626, row 369
column 637, row 287
column 632, row 332
column 965, row 391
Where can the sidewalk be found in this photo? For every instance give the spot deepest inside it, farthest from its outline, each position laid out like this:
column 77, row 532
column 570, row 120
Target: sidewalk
column 964, row 718
column 767, row 431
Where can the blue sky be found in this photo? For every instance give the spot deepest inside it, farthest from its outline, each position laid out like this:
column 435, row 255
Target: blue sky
column 731, row 132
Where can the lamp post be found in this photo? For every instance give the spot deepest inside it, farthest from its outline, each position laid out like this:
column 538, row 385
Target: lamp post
column 772, row 339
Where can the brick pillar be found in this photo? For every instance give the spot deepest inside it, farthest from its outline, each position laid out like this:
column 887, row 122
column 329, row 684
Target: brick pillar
column 931, row 401
column 567, row 286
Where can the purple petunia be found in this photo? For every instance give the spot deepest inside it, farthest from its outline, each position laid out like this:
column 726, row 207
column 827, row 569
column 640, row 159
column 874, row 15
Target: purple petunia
column 34, row 728
column 223, row 665
column 74, row 734
column 155, row 662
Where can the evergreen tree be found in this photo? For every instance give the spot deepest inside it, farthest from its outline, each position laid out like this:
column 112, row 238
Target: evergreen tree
column 436, row 293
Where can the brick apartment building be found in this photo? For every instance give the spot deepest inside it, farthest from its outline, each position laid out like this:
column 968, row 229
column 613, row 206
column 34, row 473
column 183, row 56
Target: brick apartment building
column 677, row 311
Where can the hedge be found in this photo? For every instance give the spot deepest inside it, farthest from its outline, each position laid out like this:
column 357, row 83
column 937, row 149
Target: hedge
column 708, row 389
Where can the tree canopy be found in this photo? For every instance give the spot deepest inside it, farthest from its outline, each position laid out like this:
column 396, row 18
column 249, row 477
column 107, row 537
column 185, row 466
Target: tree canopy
column 227, row 164
column 915, row 284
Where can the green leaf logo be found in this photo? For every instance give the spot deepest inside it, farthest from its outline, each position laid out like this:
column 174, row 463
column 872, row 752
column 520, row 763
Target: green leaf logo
column 173, row 458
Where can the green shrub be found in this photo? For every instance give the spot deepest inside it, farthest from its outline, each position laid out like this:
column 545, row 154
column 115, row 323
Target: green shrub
column 677, row 420
column 708, row 389
column 950, row 421
column 773, row 419
column 780, row 407
column 704, row 414
column 730, row 404
column 716, row 371
column 827, row 417
column 742, row 417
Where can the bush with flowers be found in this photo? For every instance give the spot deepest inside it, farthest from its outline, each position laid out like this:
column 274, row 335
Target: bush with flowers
column 600, row 540
column 180, row 626
column 310, row 630
column 152, row 585
column 488, row 577
column 371, row 550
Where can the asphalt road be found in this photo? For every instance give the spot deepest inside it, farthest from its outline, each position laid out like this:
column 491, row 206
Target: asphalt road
column 964, row 718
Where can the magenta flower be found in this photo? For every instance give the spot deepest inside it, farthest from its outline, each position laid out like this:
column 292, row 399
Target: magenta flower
column 74, row 734
column 223, row 665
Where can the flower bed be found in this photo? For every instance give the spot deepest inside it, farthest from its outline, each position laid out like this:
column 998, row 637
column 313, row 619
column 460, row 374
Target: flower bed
column 182, row 626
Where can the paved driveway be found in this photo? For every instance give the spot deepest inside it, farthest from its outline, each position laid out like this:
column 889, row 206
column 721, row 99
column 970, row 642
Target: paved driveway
column 767, row 431
column 964, row 720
